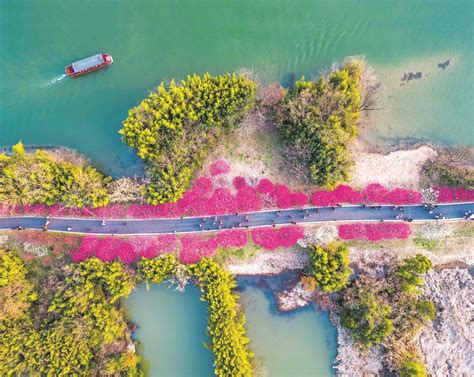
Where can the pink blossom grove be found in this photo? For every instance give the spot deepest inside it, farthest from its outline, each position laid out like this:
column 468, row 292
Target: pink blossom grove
column 374, row 232
column 272, row 238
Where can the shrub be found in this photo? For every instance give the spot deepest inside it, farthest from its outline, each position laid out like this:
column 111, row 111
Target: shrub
column 374, row 232
column 450, row 194
column 272, row 238
column 319, row 118
column 39, row 178
column 411, row 366
column 175, row 127
column 234, row 238
column 226, row 324
column 330, row 266
column 194, row 247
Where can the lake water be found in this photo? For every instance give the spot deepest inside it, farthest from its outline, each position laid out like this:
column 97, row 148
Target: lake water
column 156, row 40
column 172, row 327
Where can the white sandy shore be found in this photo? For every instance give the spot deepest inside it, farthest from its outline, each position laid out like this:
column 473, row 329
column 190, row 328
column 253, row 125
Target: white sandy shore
column 269, row 263
column 399, row 168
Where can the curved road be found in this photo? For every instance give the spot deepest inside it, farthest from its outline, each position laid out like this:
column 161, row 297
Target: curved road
column 453, row 211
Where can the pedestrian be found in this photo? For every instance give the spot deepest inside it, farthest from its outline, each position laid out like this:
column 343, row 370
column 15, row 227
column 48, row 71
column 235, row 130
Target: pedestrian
column 333, row 208
column 363, row 206
column 103, row 223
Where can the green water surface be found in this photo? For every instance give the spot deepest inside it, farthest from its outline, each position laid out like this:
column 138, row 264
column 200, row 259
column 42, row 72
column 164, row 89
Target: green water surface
column 172, row 327
column 280, row 40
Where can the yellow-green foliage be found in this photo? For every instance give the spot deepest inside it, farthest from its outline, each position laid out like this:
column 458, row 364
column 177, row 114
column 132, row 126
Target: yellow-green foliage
column 411, row 366
column 62, row 332
column 319, row 119
column 174, row 127
column 226, row 323
column 409, row 272
column 330, row 266
column 365, row 313
column 39, row 178
column 156, row 270
column 16, row 291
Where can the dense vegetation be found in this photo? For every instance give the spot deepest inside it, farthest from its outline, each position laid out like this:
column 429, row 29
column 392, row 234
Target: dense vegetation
column 226, row 322
column 318, row 119
column 174, row 128
column 42, row 178
column 67, row 322
column 453, row 167
column 390, row 312
column 330, row 266
column 156, row 270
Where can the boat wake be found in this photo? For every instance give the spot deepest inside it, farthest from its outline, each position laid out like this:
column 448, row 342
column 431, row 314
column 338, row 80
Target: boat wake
column 55, row 80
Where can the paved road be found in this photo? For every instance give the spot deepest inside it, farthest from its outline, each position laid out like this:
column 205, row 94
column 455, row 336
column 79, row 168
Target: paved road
column 249, row 220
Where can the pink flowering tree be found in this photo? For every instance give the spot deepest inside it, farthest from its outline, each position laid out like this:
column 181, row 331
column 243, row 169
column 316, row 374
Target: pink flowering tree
column 233, row 238
column 272, row 238
column 452, row 194
column 194, row 247
column 219, row 167
column 374, row 232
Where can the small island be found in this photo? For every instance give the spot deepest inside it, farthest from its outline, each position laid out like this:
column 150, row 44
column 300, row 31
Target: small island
column 241, row 179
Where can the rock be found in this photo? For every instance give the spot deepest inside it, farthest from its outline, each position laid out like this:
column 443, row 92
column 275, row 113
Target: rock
column 351, row 361
column 448, row 343
column 294, row 298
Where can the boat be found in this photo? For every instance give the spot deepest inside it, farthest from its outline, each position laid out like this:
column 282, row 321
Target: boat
column 90, row 64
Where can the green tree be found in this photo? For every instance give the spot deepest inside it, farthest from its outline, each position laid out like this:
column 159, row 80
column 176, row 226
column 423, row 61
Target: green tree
column 16, row 291
column 317, row 121
column 175, row 127
column 409, row 272
column 365, row 313
column 156, row 270
column 411, row 366
column 41, row 178
column 226, row 324
column 330, row 266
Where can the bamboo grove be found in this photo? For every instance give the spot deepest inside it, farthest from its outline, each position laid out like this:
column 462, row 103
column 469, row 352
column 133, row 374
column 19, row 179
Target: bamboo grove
column 175, row 127
column 67, row 320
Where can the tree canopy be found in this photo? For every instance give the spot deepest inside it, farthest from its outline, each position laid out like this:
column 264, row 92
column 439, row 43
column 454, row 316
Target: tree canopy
column 317, row 121
column 330, row 266
column 41, row 178
column 70, row 317
column 175, row 126
column 365, row 314
column 226, row 323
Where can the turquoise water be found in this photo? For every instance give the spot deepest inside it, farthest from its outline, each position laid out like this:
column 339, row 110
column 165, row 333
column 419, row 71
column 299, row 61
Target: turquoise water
column 171, row 331
column 172, row 327
column 297, row 344
column 280, row 40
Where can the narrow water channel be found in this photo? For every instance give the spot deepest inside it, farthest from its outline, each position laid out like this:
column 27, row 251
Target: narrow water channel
column 172, row 331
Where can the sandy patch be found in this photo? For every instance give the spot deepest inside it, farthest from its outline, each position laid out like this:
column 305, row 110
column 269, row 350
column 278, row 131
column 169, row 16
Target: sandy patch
column 399, row 168
column 270, row 263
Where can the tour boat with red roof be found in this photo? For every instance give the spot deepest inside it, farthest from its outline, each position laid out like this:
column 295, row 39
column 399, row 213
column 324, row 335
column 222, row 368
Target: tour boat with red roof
column 90, row 64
